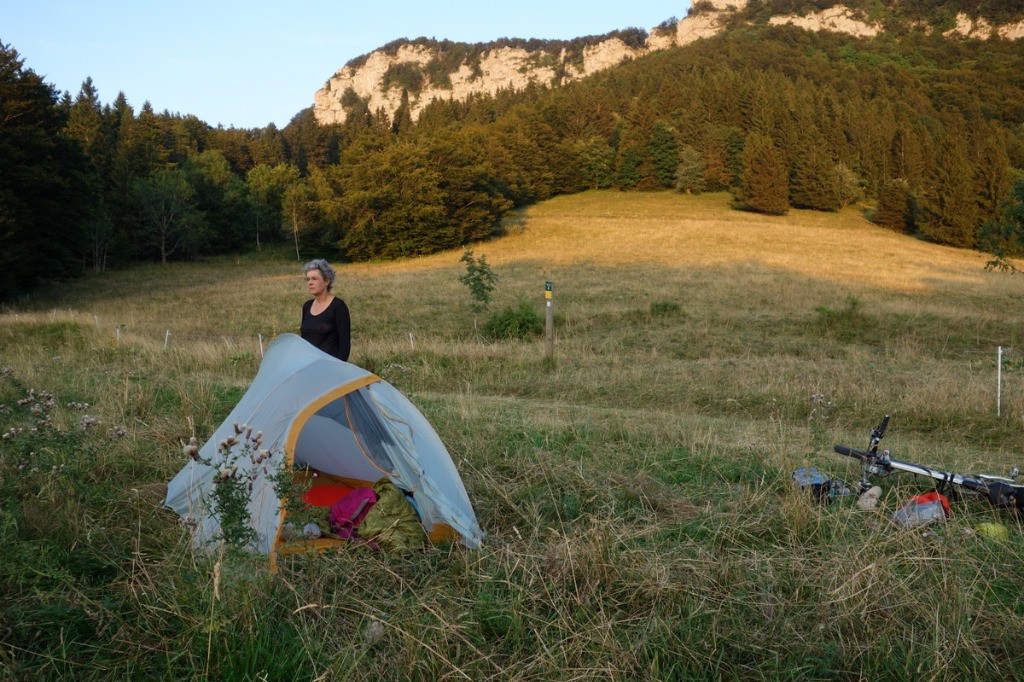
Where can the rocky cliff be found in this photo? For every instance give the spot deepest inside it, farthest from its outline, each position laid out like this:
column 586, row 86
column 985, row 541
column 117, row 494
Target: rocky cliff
column 424, row 69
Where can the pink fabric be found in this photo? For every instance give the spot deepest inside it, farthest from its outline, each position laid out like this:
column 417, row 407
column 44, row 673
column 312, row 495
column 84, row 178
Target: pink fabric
column 348, row 512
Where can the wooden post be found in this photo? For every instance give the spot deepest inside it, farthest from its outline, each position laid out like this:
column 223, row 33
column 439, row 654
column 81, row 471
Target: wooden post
column 549, row 291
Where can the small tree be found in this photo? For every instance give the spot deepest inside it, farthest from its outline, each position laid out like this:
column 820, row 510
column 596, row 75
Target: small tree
column 690, row 172
column 1004, row 238
column 480, row 280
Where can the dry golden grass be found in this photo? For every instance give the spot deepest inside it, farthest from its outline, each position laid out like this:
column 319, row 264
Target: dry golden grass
column 635, row 494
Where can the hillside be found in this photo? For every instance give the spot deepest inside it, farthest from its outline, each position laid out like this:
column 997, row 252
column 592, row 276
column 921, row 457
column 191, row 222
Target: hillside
column 423, row 70
column 922, row 128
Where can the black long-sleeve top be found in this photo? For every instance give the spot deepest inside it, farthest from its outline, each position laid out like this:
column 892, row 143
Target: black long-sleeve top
column 331, row 330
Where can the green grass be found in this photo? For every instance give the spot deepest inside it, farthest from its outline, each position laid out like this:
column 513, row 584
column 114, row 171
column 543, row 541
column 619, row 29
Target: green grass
column 635, row 492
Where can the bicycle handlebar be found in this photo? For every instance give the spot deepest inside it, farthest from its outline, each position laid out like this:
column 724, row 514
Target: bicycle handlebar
column 851, row 452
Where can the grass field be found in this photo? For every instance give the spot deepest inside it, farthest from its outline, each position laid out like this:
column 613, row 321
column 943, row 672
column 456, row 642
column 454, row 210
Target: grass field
column 635, row 493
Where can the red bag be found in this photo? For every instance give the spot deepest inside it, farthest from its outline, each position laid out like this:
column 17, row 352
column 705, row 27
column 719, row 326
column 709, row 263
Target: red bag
column 922, row 509
column 349, row 511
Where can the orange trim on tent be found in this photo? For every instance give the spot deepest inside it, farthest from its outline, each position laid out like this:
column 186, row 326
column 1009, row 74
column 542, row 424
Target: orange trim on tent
column 442, row 532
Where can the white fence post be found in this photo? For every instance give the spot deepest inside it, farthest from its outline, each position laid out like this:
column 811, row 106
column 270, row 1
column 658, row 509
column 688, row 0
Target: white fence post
column 999, row 382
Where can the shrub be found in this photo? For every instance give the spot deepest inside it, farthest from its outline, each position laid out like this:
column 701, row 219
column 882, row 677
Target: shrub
column 665, row 308
column 518, row 322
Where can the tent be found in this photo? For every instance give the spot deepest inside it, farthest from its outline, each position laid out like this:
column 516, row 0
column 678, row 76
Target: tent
column 337, row 421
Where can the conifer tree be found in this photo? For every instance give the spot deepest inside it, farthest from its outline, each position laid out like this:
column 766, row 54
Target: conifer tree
column 992, row 178
column 402, row 123
column 663, row 151
column 630, row 164
column 764, row 186
column 88, row 125
column 46, row 184
column 893, row 210
column 813, row 182
column 949, row 206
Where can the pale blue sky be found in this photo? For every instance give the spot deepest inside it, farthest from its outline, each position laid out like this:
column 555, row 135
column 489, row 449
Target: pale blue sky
column 247, row 64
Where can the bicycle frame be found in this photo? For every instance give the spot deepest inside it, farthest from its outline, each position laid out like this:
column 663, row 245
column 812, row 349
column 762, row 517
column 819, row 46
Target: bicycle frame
column 1000, row 491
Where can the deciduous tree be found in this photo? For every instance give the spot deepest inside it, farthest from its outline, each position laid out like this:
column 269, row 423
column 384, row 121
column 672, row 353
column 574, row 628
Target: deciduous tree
column 690, row 173
column 169, row 219
column 266, row 186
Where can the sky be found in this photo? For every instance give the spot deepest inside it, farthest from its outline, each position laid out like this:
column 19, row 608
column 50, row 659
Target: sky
column 248, row 64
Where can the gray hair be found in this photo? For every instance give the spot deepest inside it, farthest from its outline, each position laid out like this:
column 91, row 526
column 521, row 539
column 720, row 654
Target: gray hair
column 325, row 269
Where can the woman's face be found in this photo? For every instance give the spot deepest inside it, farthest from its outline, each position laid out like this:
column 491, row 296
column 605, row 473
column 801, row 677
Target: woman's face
column 315, row 282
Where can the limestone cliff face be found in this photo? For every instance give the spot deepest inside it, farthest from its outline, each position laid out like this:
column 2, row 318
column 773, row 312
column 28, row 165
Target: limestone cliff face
column 967, row 27
column 515, row 68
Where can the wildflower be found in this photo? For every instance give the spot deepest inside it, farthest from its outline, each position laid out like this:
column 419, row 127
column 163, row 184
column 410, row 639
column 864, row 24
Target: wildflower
column 238, row 428
column 117, row 432
column 191, row 450
column 88, row 421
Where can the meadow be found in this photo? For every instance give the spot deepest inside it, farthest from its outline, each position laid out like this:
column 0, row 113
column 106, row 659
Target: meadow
column 636, row 493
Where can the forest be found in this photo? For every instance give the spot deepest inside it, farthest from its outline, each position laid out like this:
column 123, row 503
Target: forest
column 925, row 133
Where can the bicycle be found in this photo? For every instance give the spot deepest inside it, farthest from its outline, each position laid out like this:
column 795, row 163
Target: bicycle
column 1001, row 491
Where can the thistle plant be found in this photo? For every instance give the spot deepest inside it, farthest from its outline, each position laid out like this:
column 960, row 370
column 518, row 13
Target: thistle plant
column 233, row 481
column 821, row 412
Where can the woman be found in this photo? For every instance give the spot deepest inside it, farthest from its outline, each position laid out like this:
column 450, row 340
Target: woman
column 325, row 319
